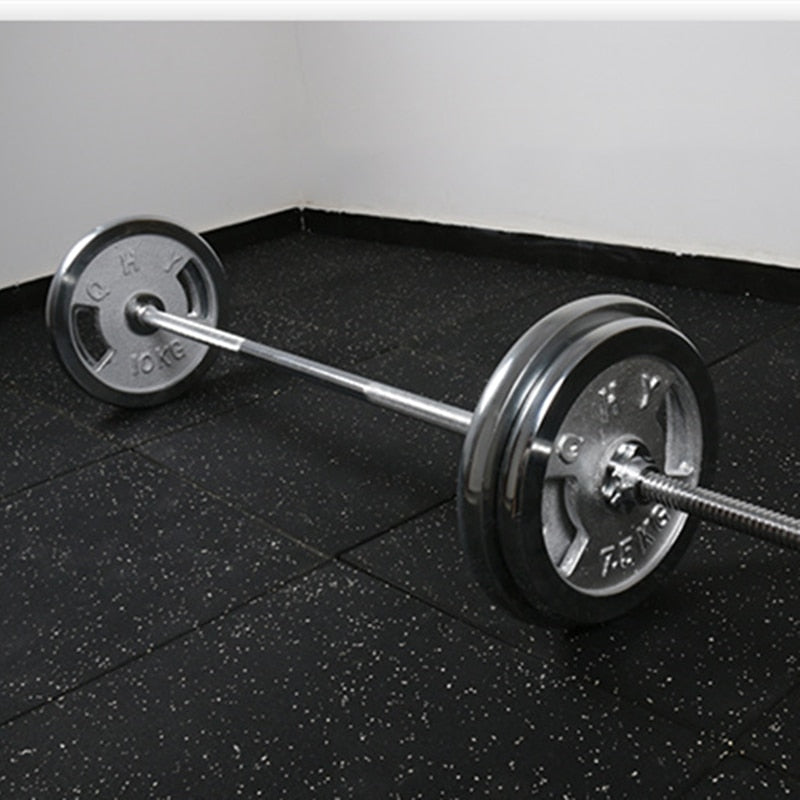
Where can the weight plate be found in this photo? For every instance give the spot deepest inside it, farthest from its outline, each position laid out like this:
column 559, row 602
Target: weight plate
column 526, row 384
column 100, row 345
column 478, row 473
column 624, row 376
column 485, row 442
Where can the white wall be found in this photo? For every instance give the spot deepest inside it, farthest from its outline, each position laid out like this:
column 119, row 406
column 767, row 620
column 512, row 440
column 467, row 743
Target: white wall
column 193, row 121
column 680, row 136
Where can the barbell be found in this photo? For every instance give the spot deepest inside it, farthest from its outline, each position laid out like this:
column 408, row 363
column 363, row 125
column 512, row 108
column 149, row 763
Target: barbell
column 579, row 481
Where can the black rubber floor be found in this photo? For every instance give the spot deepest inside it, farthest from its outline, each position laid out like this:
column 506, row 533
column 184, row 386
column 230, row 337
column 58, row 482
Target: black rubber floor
column 257, row 590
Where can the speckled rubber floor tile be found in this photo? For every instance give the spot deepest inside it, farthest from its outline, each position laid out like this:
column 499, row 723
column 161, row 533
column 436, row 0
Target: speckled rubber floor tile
column 327, row 469
column 302, row 337
column 424, row 557
column 38, row 443
column 414, row 293
column 262, row 273
column 758, row 404
column 773, row 740
column 695, row 653
column 26, row 355
column 718, row 324
column 107, row 562
column 737, row 777
column 338, row 686
column 232, row 381
column 716, row 647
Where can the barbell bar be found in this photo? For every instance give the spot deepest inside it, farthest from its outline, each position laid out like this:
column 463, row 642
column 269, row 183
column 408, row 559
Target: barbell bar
column 579, row 479
column 380, row 394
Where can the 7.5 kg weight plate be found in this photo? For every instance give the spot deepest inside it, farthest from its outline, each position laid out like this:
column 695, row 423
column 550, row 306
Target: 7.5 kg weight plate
column 593, row 376
column 88, row 312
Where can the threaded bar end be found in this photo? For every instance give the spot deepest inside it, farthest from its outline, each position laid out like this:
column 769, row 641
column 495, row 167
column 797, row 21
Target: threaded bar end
column 731, row 512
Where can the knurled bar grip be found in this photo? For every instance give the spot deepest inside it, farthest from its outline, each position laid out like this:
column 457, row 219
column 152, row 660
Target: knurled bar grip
column 435, row 412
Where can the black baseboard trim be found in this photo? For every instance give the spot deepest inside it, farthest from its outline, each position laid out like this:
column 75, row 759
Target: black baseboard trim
column 24, row 296
column 252, row 231
column 727, row 275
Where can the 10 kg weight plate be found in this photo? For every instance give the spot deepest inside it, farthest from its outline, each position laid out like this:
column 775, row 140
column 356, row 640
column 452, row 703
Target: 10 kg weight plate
column 89, row 310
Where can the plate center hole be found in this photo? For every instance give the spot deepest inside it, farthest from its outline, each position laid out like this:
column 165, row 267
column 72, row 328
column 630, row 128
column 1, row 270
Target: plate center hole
column 134, row 321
